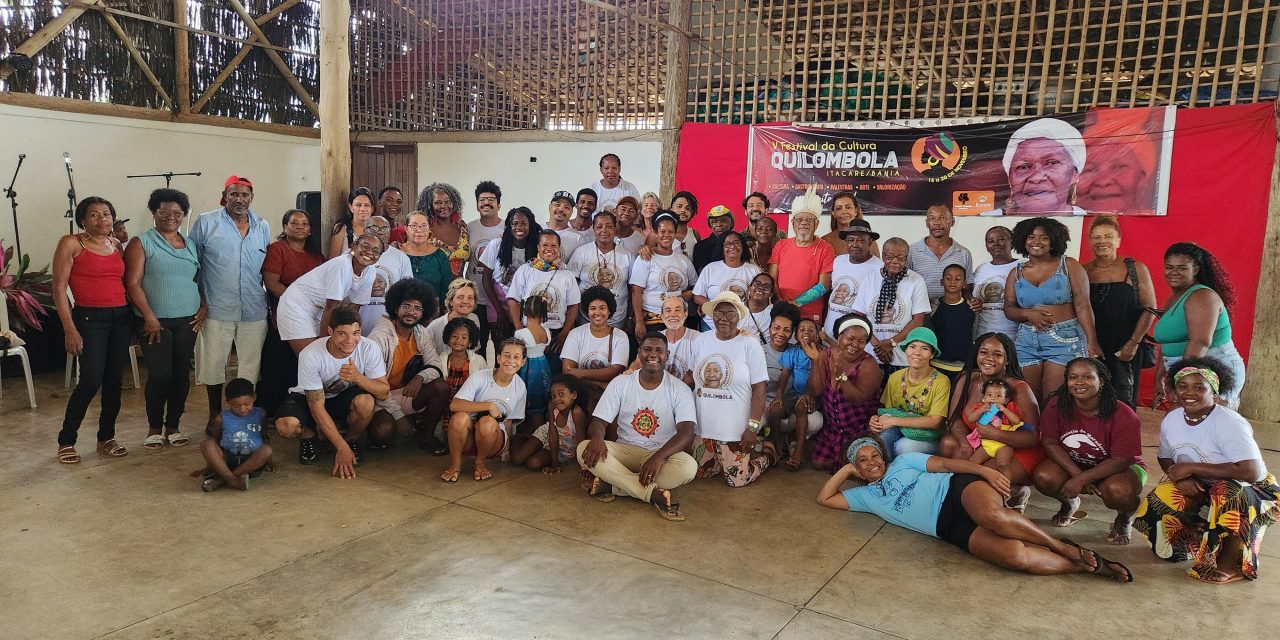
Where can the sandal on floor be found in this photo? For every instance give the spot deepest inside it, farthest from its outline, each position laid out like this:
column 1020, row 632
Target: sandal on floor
column 176, row 439
column 1115, row 570
column 670, row 511
column 1119, row 539
column 791, row 463
column 1212, row 577
column 68, row 455
column 112, row 449
column 770, row 452
column 482, row 474
column 211, row 482
column 601, row 490
column 1060, row 521
column 153, row 441
column 1083, row 559
column 449, row 475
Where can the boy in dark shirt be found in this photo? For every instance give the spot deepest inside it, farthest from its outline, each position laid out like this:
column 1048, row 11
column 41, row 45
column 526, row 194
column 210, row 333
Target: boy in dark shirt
column 953, row 319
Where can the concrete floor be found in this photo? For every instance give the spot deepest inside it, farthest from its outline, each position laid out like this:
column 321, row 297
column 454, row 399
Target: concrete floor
column 130, row 548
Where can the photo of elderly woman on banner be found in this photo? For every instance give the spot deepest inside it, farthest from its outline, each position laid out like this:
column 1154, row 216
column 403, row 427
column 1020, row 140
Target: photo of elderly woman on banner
column 1112, row 161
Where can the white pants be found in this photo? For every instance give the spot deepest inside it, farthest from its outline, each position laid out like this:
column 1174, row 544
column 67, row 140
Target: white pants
column 621, row 468
column 214, row 344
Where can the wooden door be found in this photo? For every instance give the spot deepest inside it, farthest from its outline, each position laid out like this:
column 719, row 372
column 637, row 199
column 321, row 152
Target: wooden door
column 378, row 166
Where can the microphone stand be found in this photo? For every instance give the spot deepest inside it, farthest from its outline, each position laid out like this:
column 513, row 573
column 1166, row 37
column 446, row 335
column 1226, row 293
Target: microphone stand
column 71, row 197
column 168, row 176
column 13, row 205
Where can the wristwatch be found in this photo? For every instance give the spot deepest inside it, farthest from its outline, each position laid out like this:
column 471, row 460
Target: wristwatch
column 893, row 343
column 753, row 426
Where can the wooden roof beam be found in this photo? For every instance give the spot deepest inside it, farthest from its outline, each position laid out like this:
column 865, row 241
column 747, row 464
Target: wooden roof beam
column 47, row 33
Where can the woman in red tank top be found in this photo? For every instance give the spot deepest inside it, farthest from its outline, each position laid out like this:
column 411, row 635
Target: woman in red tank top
column 97, row 327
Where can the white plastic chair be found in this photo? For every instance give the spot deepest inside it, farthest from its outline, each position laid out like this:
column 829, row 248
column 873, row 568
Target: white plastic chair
column 73, row 362
column 21, row 352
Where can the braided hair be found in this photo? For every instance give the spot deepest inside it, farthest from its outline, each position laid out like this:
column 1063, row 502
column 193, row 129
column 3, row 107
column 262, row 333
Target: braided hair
column 1106, row 394
column 1209, row 272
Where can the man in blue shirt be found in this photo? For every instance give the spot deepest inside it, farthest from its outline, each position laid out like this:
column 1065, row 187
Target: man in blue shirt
column 232, row 243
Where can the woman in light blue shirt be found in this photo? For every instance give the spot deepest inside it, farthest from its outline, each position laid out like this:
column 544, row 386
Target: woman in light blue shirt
column 161, row 266
column 959, row 502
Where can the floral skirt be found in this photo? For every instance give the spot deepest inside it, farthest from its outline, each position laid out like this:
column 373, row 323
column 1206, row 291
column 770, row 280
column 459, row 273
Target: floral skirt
column 1177, row 531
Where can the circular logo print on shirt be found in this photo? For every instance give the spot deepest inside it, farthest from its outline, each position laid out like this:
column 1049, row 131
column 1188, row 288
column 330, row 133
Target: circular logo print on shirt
column 991, row 293
column 738, row 287
column 551, row 294
column 381, row 281
column 604, row 275
column 672, row 279
column 895, row 313
column 645, row 422
column 595, row 360
column 846, row 289
column 714, row 372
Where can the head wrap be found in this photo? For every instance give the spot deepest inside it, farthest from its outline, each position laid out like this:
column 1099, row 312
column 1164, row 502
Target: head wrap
column 1208, row 374
column 1050, row 129
column 865, row 441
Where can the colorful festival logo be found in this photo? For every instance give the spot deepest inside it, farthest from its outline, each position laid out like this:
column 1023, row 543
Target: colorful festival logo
column 938, row 156
column 645, row 422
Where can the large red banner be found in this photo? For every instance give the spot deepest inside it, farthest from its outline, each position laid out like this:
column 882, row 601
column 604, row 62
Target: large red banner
column 1103, row 161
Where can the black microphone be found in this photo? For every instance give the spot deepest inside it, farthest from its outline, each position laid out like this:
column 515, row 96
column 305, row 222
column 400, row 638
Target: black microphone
column 22, row 156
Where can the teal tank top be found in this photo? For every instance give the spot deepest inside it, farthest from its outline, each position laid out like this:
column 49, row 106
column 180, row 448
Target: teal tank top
column 1171, row 330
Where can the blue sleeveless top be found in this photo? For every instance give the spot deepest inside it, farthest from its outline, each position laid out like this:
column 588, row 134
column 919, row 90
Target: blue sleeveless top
column 169, row 275
column 1055, row 290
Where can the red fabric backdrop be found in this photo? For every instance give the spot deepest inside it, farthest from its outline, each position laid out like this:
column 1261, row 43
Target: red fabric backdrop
column 1219, row 187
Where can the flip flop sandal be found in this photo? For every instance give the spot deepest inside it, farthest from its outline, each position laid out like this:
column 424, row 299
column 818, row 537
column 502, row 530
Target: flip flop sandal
column 176, row 439
column 480, row 475
column 1081, row 551
column 449, row 476
column 791, row 464
column 1116, row 538
column 1107, row 568
column 598, row 491
column 112, row 449
column 1236, row 578
column 68, row 455
column 1069, row 520
column 210, row 484
column 670, row 511
column 153, row 441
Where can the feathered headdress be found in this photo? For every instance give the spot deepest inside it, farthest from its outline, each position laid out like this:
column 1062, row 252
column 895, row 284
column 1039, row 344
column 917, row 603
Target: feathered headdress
column 809, row 202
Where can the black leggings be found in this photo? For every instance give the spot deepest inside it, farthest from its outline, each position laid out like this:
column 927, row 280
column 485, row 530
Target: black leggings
column 168, row 371
column 107, row 336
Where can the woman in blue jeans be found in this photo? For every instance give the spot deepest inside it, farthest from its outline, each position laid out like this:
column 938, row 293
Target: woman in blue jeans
column 1048, row 295
column 160, row 276
column 97, row 328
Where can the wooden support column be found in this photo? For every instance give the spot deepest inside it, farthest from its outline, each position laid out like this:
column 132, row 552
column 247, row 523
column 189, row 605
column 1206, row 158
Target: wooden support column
column 47, row 33
column 335, row 113
column 181, row 58
column 1259, row 401
column 675, row 102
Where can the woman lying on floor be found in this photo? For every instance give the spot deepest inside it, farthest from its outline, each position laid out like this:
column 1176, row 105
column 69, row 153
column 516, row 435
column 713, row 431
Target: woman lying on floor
column 960, row 502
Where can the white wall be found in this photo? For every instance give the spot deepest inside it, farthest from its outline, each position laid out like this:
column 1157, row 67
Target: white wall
column 567, row 166
column 104, row 150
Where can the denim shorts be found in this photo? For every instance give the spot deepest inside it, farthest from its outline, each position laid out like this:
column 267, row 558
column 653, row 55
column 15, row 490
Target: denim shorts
column 1060, row 343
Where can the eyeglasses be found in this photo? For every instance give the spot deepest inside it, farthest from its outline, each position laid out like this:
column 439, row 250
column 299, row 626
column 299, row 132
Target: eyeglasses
column 730, row 313
column 169, row 213
column 418, row 227
column 409, row 306
column 761, row 285
column 377, row 227
column 486, row 199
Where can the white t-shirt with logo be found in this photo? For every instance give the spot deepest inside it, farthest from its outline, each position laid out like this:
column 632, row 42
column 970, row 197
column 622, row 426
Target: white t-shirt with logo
column 912, row 298
column 1224, row 437
column 718, row 276
column 633, row 242
column 480, row 236
column 610, row 270
column 606, row 197
column 646, row 419
column 680, row 354
column 662, row 277
column 988, row 286
column 502, row 274
column 571, row 239
column 303, row 302
column 591, row 352
column 846, row 282
column 371, row 293
column 318, row 369
column 481, row 387
column 559, row 286
column 723, row 373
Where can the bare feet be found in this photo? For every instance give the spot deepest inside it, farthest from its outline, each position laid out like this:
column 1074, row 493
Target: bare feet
column 482, row 472
column 449, row 475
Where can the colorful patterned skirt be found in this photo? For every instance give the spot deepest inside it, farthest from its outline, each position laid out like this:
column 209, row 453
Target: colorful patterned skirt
column 1177, row 531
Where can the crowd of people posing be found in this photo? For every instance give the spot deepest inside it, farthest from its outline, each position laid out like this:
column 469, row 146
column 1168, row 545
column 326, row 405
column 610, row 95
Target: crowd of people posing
column 644, row 356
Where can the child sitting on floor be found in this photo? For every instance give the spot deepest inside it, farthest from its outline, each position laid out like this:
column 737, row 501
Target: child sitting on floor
column 995, row 410
column 556, row 441
column 236, row 448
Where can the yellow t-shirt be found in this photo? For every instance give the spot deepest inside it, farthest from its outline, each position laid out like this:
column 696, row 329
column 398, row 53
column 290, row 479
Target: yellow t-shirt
column 931, row 397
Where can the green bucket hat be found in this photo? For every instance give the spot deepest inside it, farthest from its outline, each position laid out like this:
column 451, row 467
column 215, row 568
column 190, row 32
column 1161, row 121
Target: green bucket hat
column 922, row 334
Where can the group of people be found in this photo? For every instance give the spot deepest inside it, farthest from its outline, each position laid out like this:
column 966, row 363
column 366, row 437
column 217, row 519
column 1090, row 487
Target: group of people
column 627, row 343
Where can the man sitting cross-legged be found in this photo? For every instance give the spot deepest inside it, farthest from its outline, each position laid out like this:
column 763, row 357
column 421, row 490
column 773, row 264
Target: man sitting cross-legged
column 650, row 416
column 339, row 379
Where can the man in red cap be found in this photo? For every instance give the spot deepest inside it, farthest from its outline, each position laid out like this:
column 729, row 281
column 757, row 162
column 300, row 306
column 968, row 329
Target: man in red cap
column 232, row 243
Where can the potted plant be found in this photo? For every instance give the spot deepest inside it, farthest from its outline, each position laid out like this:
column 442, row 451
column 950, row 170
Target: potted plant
column 29, row 296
